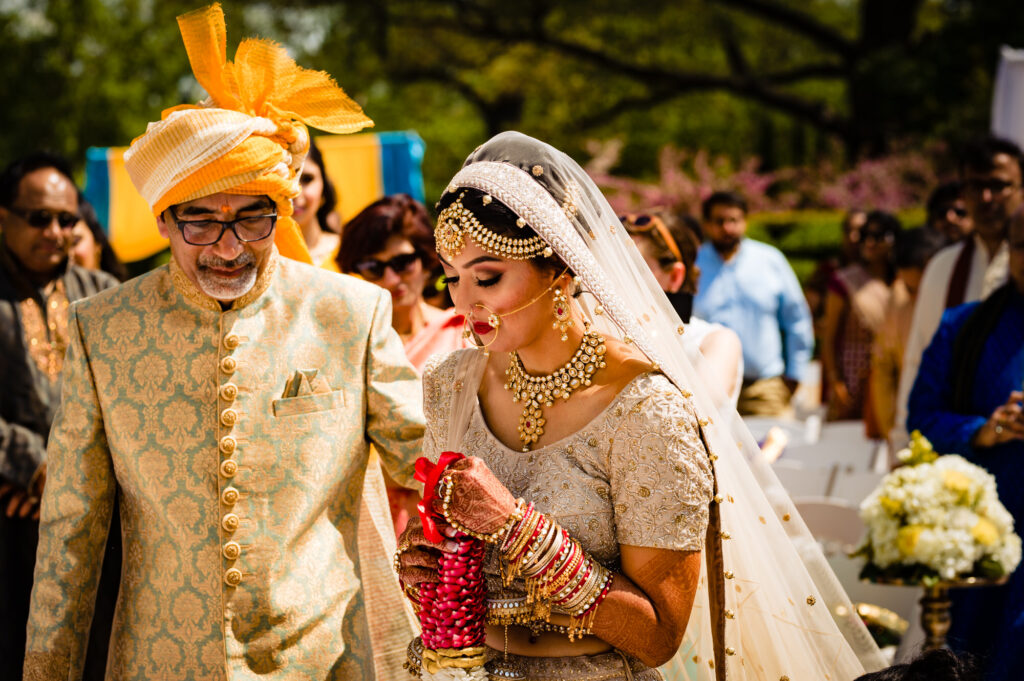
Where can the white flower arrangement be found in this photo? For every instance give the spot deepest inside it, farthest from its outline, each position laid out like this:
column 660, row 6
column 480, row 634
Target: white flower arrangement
column 937, row 518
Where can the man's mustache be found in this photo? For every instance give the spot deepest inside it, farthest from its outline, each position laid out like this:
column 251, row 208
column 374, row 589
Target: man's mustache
column 245, row 258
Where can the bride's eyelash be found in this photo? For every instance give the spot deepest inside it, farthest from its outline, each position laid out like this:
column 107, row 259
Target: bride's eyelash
column 484, row 283
column 447, row 281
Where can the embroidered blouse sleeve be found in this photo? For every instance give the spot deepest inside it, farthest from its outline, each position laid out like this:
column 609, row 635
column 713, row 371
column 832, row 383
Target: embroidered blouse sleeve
column 661, row 480
column 438, row 374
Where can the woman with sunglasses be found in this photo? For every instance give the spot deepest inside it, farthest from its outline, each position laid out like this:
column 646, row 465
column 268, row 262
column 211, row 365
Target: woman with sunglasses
column 671, row 253
column 855, row 306
column 600, row 473
column 391, row 243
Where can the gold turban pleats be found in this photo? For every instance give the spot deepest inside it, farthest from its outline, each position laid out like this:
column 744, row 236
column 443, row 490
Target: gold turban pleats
column 249, row 137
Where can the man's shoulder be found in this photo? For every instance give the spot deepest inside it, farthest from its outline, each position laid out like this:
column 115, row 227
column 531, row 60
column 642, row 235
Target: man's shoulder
column 941, row 264
column 119, row 294
column 303, row 279
column 91, row 281
column 955, row 317
column 762, row 250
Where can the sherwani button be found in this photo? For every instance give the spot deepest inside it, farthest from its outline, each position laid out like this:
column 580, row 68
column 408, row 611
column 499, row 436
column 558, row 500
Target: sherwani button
column 227, row 444
column 229, row 417
column 232, row 550
column 229, row 522
column 228, row 364
column 231, row 341
column 233, row 577
column 228, row 392
column 229, row 496
column 228, row 468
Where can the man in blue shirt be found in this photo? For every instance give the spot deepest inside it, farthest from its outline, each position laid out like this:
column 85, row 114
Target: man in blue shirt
column 749, row 287
column 967, row 400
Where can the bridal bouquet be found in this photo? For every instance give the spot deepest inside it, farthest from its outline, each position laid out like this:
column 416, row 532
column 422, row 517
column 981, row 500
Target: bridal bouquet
column 937, row 518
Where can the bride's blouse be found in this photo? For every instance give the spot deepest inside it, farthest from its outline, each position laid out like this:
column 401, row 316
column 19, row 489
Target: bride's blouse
column 637, row 474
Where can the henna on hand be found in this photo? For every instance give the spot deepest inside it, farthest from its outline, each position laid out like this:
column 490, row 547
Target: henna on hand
column 418, row 556
column 479, row 501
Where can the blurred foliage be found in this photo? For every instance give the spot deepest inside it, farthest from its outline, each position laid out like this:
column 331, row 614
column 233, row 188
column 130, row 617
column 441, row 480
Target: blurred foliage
column 790, row 82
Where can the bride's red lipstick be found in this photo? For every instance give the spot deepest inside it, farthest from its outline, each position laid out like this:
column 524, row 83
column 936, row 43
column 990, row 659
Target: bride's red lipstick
column 482, row 328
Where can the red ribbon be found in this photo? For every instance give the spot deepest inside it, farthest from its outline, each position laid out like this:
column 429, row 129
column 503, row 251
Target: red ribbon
column 429, row 473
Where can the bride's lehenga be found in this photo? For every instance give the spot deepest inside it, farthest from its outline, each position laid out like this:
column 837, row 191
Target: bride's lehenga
column 637, row 474
column 768, row 607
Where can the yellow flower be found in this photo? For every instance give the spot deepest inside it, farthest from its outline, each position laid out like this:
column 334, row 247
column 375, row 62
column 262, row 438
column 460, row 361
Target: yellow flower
column 920, row 450
column 891, row 506
column 906, row 539
column 955, row 481
column 985, row 532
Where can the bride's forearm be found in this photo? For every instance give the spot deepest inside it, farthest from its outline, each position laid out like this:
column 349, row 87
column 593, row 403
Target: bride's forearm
column 647, row 619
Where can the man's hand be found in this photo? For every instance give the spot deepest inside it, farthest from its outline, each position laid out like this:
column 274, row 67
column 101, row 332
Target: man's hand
column 18, row 502
column 791, row 384
column 1005, row 424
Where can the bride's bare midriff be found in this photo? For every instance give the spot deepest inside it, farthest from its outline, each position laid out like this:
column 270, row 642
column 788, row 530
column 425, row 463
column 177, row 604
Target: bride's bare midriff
column 546, row 644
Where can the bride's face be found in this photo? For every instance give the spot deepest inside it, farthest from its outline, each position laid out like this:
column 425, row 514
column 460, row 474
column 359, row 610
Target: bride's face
column 482, row 284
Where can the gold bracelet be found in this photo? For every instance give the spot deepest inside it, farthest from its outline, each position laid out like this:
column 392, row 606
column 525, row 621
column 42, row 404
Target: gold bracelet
column 494, row 537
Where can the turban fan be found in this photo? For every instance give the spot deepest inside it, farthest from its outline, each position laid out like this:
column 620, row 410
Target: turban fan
column 249, row 136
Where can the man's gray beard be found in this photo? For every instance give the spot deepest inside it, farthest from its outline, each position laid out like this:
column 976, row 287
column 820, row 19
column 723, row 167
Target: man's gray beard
column 224, row 289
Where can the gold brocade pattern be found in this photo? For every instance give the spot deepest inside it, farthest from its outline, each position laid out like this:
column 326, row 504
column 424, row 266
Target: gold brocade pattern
column 46, row 330
column 241, row 508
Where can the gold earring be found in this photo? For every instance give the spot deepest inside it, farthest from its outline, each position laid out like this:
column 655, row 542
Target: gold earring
column 563, row 320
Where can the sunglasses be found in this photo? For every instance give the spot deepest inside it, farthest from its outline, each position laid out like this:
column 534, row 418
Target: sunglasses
column 42, row 218
column 374, row 269
column 643, row 223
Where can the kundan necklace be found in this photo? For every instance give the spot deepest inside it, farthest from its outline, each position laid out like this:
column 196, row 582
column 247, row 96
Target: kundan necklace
column 537, row 392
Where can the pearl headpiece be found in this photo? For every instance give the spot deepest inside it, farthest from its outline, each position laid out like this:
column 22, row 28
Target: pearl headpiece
column 456, row 222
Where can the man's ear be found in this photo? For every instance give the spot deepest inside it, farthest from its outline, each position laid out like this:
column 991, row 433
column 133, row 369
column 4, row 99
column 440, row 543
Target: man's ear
column 162, row 225
column 677, row 275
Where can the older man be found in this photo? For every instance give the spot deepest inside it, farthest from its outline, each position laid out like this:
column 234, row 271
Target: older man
column 231, row 396
column 38, row 210
column 967, row 400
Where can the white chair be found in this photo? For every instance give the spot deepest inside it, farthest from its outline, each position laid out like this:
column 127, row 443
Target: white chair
column 854, row 486
column 858, row 454
column 804, row 481
column 760, row 425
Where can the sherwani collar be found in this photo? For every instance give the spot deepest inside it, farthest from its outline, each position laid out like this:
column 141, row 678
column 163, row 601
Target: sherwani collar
column 193, row 294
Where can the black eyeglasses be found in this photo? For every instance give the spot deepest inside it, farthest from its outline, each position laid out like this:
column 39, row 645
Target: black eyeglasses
column 42, row 218
column 208, row 232
column 374, row 269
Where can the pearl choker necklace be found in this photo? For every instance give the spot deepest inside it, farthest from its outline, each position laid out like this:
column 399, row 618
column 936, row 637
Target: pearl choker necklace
column 537, row 392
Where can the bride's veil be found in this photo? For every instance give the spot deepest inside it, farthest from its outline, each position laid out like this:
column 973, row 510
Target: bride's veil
column 785, row 615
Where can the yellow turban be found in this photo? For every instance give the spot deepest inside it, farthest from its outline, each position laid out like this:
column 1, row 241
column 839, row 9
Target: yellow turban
column 249, row 137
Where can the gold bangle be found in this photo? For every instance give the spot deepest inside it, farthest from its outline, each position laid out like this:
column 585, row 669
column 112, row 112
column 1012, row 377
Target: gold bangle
column 495, row 537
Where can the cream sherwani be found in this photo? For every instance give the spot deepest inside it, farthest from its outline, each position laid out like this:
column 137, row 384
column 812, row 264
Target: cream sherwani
column 986, row 274
column 247, row 537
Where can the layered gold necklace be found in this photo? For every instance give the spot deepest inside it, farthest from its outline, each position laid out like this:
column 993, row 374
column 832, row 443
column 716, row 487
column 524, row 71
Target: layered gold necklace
column 537, row 392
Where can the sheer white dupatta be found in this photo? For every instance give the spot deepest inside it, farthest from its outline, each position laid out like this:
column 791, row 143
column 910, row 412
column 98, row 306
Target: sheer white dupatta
column 783, row 613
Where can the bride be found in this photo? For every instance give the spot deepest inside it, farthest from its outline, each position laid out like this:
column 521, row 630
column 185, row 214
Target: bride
column 633, row 525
